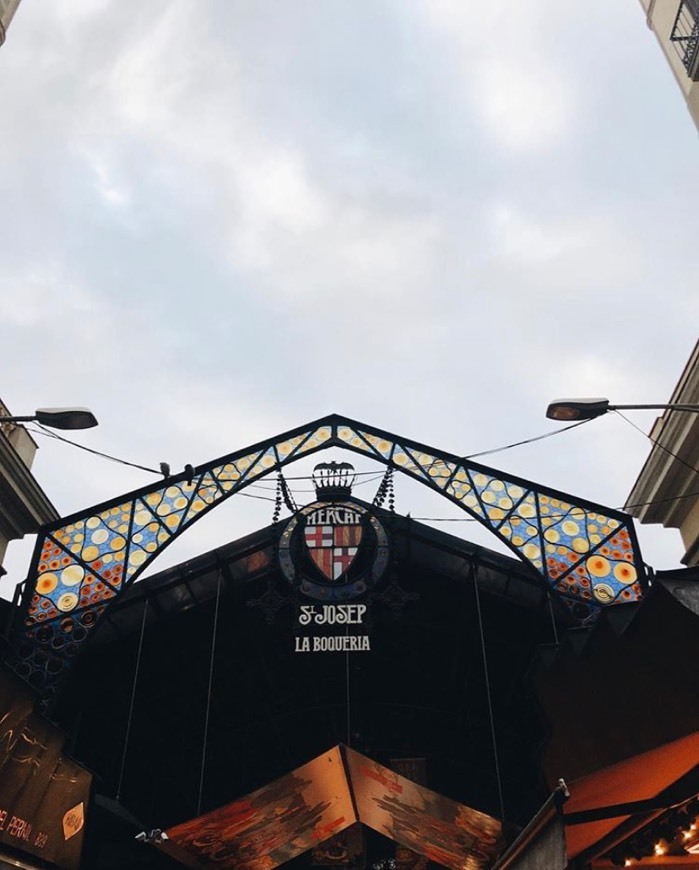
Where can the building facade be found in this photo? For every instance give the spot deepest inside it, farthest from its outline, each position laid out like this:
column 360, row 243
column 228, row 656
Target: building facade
column 24, row 506
column 676, row 26
column 477, row 711
column 667, row 489
column 7, row 10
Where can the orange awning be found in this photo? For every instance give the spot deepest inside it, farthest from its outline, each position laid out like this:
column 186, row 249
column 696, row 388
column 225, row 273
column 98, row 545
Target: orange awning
column 638, row 779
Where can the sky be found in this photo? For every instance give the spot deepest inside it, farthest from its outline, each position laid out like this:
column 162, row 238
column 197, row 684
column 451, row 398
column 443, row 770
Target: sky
column 223, row 219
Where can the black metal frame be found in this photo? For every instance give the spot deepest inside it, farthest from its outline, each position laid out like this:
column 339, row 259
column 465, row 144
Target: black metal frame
column 685, row 36
column 44, row 662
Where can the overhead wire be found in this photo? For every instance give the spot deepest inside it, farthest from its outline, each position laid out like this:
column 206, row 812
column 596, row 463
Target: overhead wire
column 660, row 500
column 208, row 694
column 260, row 497
column 42, row 430
column 491, row 712
column 374, row 475
column 49, row 434
column 271, row 487
column 548, row 434
column 356, row 474
column 549, row 516
column 133, row 698
column 657, row 443
column 562, row 515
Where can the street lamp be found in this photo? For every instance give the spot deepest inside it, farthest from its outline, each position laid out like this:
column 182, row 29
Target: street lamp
column 570, row 410
column 57, row 418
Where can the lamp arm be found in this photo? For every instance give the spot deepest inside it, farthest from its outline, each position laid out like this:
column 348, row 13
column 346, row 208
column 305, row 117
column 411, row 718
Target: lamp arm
column 670, row 407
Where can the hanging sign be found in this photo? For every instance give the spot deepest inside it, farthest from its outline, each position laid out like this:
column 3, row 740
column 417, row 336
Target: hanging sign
column 333, row 552
column 43, row 794
column 329, row 796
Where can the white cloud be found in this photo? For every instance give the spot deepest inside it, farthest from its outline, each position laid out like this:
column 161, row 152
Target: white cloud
column 519, row 90
column 43, row 298
column 526, row 241
column 524, row 103
column 395, row 233
column 77, row 10
column 274, row 196
column 157, row 67
column 300, row 237
column 108, row 189
column 591, row 375
column 582, row 254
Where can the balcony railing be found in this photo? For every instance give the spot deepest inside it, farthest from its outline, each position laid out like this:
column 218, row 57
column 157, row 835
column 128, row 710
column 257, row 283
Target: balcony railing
column 685, row 36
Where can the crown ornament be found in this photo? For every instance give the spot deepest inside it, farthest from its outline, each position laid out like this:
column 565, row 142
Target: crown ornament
column 333, row 480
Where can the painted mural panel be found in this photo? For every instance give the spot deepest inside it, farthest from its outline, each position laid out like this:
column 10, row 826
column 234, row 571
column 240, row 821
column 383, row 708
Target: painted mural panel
column 414, row 769
column 275, row 823
column 345, row 850
column 442, row 830
column 315, row 803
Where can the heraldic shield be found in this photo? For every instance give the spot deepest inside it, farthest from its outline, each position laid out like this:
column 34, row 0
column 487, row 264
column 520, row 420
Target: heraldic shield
column 333, row 535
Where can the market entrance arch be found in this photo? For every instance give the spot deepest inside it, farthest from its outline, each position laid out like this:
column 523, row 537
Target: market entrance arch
column 586, row 553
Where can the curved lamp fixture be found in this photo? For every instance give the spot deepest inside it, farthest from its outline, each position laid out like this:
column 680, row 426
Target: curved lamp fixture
column 568, row 410
column 57, row 418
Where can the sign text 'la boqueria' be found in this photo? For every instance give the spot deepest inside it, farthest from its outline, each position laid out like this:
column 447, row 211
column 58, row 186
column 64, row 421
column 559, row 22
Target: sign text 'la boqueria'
column 332, row 614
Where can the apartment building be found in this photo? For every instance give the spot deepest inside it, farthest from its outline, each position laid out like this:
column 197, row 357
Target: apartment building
column 676, row 26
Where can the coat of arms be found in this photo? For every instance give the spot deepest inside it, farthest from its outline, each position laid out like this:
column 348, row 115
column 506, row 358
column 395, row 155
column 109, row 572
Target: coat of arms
column 333, row 535
column 335, row 548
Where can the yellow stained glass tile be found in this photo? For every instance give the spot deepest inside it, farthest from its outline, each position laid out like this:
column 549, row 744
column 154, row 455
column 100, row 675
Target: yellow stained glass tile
column 350, row 437
column 317, row 438
column 381, row 445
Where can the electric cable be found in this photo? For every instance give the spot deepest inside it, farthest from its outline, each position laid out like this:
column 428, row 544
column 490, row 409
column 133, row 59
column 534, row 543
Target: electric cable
column 42, row 430
column 374, row 475
column 208, row 695
column 488, row 694
column 348, row 703
column 47, row 432
column 661, row 500
column 133, row 698
column 252, row 495
column 657, row 443
column 553, row 618
column 549, row 434
column 562, row 515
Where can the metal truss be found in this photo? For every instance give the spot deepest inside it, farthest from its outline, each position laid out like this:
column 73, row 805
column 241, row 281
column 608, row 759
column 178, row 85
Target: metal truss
column 585, row 553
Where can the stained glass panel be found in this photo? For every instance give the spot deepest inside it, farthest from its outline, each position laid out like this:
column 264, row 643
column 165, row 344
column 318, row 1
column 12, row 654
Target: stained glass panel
column 586, row 553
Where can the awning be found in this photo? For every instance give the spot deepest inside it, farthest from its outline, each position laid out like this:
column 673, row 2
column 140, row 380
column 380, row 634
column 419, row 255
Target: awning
column 632, row 791
column 321, row 799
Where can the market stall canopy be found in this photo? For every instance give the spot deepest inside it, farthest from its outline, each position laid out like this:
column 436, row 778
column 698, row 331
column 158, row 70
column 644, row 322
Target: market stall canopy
column 324, row 797
column 637, row 788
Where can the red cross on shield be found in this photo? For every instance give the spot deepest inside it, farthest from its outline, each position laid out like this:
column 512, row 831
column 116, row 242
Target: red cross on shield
column 333, row 547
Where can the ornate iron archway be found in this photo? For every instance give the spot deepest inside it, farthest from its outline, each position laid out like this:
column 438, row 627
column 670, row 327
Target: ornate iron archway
column 586, row 553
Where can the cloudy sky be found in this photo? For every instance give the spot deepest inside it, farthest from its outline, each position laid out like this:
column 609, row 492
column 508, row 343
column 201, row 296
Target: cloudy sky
column 222, row 219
